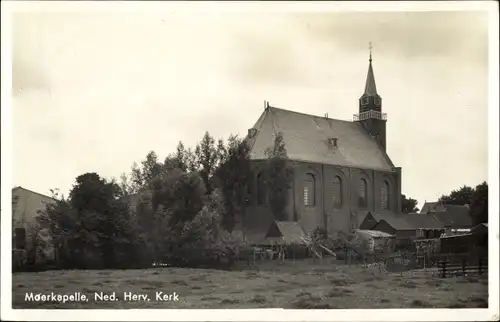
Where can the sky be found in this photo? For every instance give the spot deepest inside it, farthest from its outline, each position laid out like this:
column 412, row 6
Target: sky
column 94, row 91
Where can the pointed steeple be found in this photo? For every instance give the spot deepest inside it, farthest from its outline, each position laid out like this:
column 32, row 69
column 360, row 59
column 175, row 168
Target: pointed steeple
column 370, row 87
column 370, row 108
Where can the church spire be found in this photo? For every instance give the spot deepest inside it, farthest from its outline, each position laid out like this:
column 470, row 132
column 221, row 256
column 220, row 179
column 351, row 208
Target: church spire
column 370, row 87
column 370, row 108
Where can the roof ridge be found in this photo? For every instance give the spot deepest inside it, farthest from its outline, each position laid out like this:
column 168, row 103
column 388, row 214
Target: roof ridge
column 38, row 193
column 310, row 115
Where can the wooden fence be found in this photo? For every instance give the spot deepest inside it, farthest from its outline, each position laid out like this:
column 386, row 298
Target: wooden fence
column 463, row 267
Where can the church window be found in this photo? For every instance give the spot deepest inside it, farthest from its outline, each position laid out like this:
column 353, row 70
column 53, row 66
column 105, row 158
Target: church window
column 261, row 190
column 384, row 196
column 337, row 192
column 309, row 191
column 362, row 193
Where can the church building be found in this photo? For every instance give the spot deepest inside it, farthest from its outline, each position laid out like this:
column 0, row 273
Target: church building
column 341, row 170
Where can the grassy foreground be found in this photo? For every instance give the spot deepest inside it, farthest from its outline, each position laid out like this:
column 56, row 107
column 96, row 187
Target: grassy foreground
column 296, row 285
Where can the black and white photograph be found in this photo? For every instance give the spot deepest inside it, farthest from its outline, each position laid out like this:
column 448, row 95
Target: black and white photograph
column 313, row 160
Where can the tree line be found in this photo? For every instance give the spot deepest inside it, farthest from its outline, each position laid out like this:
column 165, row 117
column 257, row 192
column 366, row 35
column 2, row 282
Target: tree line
column 192, row 200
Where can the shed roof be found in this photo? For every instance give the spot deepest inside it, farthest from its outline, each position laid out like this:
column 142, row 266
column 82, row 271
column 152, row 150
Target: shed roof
column 290, row 231
column 409, row 221
column 307, row 138
column 374, row 233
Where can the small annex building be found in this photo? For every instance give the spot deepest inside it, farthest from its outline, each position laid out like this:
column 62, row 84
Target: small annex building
column 404, row 226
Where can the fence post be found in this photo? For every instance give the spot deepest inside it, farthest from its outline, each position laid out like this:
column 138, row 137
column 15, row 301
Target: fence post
column 463, row 266
column 443, row 264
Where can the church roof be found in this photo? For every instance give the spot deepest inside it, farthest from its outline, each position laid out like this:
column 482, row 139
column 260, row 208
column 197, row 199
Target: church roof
column 307, row 138
column 370, row 87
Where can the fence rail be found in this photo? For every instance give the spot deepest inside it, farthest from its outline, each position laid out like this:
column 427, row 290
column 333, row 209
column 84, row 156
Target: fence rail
column 465, row 267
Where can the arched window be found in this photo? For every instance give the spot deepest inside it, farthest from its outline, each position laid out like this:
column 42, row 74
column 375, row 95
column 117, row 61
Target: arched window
column 384, row 196
column 309, row 191
column 362, row 193
column 261, row 190
column 337, row 192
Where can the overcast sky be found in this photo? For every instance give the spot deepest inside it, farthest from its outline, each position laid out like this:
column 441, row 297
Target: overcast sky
column 94, row 92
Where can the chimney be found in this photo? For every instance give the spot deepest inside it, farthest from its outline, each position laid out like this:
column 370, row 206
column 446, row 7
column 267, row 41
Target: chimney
column 252, row 132
column 333, row 142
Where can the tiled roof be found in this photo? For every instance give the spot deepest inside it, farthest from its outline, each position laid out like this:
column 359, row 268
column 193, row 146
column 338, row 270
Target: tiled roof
column 455, row 216
column 307, row 139
column 423, row 221
column 409, row 221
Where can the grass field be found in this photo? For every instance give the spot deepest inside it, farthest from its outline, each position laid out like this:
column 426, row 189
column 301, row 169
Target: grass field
column 296, row 285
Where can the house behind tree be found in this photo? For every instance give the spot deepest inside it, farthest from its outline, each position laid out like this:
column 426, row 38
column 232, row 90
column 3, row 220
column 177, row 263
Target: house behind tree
column 26, row 205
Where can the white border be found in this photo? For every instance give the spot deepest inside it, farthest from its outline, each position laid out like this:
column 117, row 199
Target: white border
column 258, row 314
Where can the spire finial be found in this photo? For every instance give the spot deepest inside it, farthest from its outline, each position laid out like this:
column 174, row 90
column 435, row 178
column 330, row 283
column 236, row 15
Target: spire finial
column 370, row 47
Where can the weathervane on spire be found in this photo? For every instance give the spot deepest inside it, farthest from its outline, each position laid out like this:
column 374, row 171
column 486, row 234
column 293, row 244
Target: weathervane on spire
column 370, row 47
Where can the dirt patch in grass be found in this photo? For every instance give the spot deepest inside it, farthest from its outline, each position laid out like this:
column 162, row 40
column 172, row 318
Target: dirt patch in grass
column 370, row 285
column 340, row 282
column 307, row 303
column 259, row 299
column 209, row 298
column 338, row 292
column 229, row 301
column 179, row 282
column 420, row 303
column 468, row 280
column 408, row 284
column 476, row 301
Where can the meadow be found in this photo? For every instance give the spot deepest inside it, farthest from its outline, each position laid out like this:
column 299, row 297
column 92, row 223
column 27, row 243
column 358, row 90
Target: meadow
column 300, row 284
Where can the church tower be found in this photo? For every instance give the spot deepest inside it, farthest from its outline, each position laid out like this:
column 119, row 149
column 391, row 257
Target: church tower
column 370, row 108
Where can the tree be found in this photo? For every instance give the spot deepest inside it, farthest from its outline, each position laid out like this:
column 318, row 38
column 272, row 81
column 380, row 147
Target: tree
column 232, row 177
column 93, row 228
column 180, row 159
column 279, row 175
column 460, row 197
column 408, row 205
column 206, row 158
column 182, row 194
column 479, row 204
